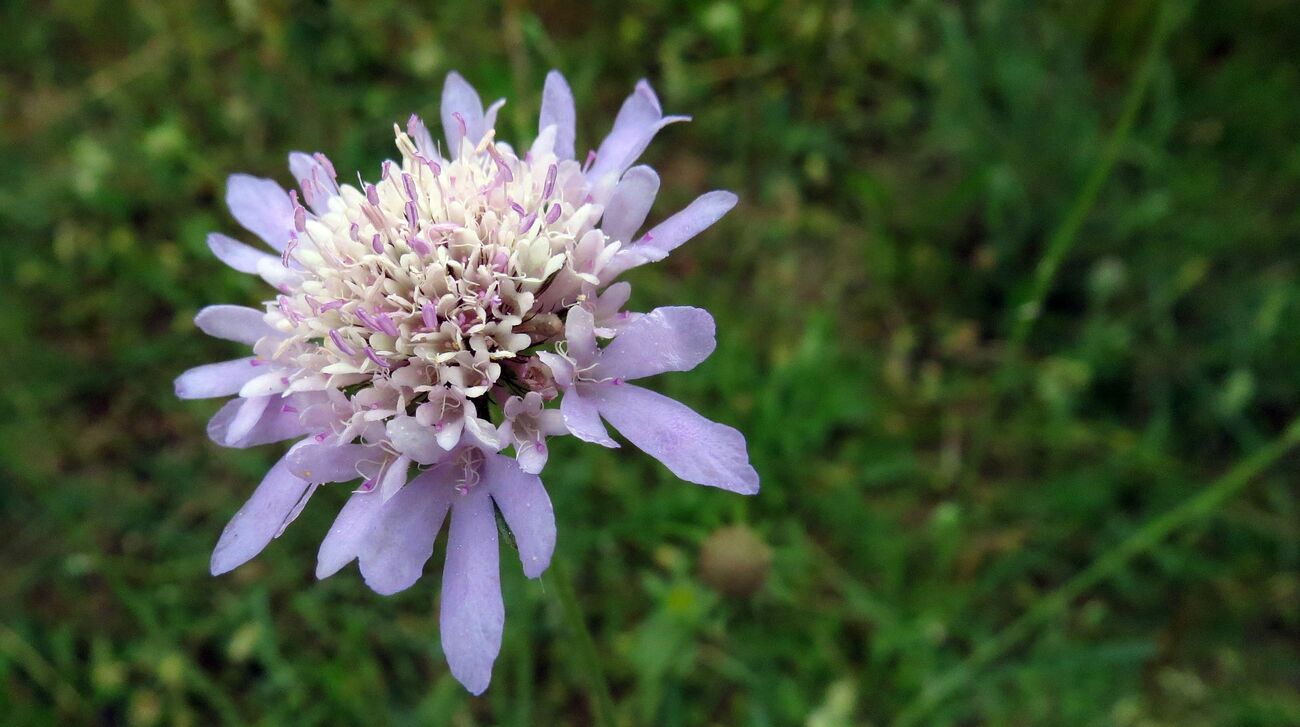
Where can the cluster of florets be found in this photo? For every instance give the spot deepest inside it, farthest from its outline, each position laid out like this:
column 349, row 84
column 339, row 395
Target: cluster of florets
column 434, row 318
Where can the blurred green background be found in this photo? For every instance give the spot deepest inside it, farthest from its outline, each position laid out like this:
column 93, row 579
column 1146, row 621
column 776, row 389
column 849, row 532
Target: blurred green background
column 975, row 514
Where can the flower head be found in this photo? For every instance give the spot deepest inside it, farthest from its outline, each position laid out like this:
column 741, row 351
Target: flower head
column 423, row 322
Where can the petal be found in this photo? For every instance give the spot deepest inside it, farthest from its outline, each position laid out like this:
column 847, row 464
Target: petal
column 674, row 338
column 532, row 456
column 561, row 368
column 583, row 419
column 274, row 272
column 262, row 207
column 472, row 615
column 580, row 332
column 274, row 423
column 394, row 477
column 490, row 116
column 330, row 462
column 414, row 440
column 401, row 540
column 260, row 519
column 694, row 448
column 344, row 540
column 668, row 235
column 314, row 179
column 458, row 97
column 527, row 510
column 558, row 110
column 233, row 323
column 250, row 413
column 627, row 208
column 217, row 379
column 696, row 218
column 420, row 135
column 268, row 383
column 236, row 254
column 639, row 119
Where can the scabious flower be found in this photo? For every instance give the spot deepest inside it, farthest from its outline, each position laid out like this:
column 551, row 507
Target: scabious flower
column 429, row 321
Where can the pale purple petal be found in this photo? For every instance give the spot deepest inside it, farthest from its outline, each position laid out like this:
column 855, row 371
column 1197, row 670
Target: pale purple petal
column 698, row 216
column 330, row 462
column 458, row 97
column 639, row 119
column 401, row 539
column 490, row 116
column 561, row 368
column 217, row 379
column 608, row 310
column 277, row 275
column 394, row 477
column 274, row 422
column 233, row 323
column 627, row 208
column 297, row 508
column 262, row 207
column 237, row 255
column 668, row 235
column 269, row 382
column 414, row 440
column 472, row 615
column 344, row 540
column 527, row 510
column 558, row 110
column 580, row 333
column 532, row 455
column 694, row 448
column 674, row 338
column 250, row 413
column 583, row 420
column 420, row 135
column 260, row 519
column 308, row 171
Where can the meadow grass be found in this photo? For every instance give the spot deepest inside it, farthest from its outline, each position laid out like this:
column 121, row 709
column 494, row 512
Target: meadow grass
column 1009, row 313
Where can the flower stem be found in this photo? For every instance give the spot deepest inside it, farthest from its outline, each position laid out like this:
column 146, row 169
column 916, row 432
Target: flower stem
column 1029, row 310
column 1194, row 509
column 602, row 705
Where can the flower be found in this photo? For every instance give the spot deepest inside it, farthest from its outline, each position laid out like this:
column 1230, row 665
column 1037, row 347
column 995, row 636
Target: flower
column 464, row 287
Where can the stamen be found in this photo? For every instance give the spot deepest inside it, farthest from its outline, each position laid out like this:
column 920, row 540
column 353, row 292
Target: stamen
column 550, row 182
column 299, row 212
column 386, row 325
column 325, row 162
column 341, row 344
column 506, row 174
column 370, row 354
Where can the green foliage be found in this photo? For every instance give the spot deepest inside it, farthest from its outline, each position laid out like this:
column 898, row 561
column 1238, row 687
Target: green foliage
column 901, row 168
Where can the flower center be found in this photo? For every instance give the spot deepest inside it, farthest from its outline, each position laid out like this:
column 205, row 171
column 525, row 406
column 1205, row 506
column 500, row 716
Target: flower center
column 438, row 271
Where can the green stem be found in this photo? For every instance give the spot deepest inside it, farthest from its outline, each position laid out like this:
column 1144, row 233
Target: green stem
column 602, row 705
column 1027, row 313
column 1192, row 510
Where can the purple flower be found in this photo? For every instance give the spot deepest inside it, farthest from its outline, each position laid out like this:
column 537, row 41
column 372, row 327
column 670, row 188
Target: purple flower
column 422, row 323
